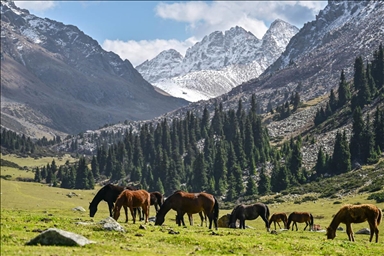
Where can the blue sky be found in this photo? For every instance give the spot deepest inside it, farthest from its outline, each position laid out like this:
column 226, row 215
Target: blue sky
column 139, row 30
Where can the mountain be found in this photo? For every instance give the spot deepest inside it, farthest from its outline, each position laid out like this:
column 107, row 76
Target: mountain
column 55, row 78
column 218, row 63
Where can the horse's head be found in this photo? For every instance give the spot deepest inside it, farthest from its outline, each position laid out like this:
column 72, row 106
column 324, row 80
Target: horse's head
column 159, row 220
column 92, row 209
column 331, row 233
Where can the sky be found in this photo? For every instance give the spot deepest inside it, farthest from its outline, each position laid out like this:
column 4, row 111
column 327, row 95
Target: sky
column 140, row 30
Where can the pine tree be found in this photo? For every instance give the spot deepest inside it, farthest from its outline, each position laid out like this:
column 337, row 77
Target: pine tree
column 343, row 91
column 220, row 169
column 37, row 175
column 200, row 179
column 159, row 186
column 320, row 166
column 333, row 103
column 251, row 187
column 357, row 133
column 95, row 167
column 264, row 186
column 359, row 79
column 368, row 141
column 341, row 157
column 378, row 126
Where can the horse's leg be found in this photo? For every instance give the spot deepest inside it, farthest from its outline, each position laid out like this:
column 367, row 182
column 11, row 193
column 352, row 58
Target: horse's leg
column 133, row 215
column 277, row 224
column 350, row 232
column 306, row 225
column 110, row 206
column 374, row 229
column 126, row 213
column 295, row 223
column 146, row 212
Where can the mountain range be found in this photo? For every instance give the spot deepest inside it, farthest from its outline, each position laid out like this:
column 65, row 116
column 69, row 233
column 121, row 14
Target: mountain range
column 56, row 79
column 218, row 63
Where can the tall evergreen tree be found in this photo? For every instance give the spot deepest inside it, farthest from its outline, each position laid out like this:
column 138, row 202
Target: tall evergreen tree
column 343, row 91
column 320, row 166
column 264, row 186
column 357, row 133
column 251, row 187
column 341, row 157
column 200, row 179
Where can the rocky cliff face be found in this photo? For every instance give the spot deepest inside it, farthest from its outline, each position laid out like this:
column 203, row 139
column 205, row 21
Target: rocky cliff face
column 218, row 63
column 55, row 76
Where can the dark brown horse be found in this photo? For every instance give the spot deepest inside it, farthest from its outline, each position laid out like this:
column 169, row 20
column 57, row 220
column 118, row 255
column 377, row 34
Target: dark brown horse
column 356, row 214
column 300, row 217
column 249, row 212
column 132, row 199
column 277, row 217
column 190, row 203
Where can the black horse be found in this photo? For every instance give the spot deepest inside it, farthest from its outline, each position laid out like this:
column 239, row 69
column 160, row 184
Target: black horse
column 249, row 212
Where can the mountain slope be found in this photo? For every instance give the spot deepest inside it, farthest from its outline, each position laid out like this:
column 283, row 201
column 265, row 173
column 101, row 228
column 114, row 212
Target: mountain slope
column 55, row 76
column 218, row 63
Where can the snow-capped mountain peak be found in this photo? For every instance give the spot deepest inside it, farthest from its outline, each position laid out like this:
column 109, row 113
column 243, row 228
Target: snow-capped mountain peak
column 221, row 60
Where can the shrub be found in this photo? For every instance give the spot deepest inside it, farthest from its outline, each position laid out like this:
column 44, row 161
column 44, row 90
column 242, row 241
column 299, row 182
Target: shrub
column 378, row 197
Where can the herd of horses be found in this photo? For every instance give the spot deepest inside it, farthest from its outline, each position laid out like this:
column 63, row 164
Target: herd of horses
column 206, row 205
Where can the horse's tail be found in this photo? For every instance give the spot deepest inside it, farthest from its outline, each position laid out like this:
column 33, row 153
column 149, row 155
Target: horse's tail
column 267, row 213
column 311, row 224
column 380, row 216
column 216, row 209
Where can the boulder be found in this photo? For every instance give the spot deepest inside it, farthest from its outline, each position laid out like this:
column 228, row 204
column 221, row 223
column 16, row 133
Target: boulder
column 223, row 221
column 54, row 236
column 364, row 231
column 111, row 225
column 78, row 209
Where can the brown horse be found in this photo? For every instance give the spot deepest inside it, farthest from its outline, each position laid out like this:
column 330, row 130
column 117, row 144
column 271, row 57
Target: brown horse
column 300, row 217
column 356, row 214
column 132, row 199
column 190, row 203
column 277, row 217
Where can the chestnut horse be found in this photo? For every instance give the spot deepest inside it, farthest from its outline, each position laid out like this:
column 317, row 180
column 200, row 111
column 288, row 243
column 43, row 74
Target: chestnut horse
column 249, row 212
column 300, row 217
column 190, row 203
column 356, row 214
column 277, row 217
column 132, row 199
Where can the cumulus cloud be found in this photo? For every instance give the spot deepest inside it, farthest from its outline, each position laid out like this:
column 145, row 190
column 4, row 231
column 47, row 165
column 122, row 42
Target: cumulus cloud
column 139, row 51
column 38, row 6
column 203, row 18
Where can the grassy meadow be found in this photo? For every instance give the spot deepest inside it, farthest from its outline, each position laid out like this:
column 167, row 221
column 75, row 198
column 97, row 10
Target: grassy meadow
column 29, row 207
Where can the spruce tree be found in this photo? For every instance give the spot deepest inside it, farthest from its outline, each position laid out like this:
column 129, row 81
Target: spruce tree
column 320, row 166
column 37, row 175
column 357, row 133
column 200, row 179
column 264, row 185
column 251, row 187
column 341, row 157
column 343, row 91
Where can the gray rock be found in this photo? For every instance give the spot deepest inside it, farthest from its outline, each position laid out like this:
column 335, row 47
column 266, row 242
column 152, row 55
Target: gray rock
column 364, row 231
column 54, row 236
column 111, row 225
column 79, row 209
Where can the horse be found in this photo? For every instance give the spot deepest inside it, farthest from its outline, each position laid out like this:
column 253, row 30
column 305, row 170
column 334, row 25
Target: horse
column 356, row 214
column 277, row 217
column 300, row 217
column 108, row 193
column 249, row 212
column 190, row 203
column 132, row 199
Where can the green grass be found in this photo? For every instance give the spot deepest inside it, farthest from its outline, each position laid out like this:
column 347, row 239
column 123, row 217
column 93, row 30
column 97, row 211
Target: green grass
column 30, row 206
column 27, row 207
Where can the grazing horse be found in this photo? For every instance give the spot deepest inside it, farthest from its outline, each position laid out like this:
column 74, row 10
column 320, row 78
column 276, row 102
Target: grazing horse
column 249, row 212
column 108, row 193
column 132, row 199
column 300, row 217
column 277, row 217
column 190, row 203
column 356, row 214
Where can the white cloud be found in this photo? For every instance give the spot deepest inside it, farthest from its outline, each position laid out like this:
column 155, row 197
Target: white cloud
column 38, row 6
column 139, row 51
column 203, row 18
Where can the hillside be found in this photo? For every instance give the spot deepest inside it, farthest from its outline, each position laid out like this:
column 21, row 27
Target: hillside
column 57, row 80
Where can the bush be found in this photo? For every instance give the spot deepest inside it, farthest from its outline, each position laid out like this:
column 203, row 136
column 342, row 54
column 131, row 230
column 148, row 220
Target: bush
column 337, row 202
column 378, row 197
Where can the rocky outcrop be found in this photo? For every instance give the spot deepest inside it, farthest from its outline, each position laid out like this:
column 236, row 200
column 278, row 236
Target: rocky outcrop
column 54, row 236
